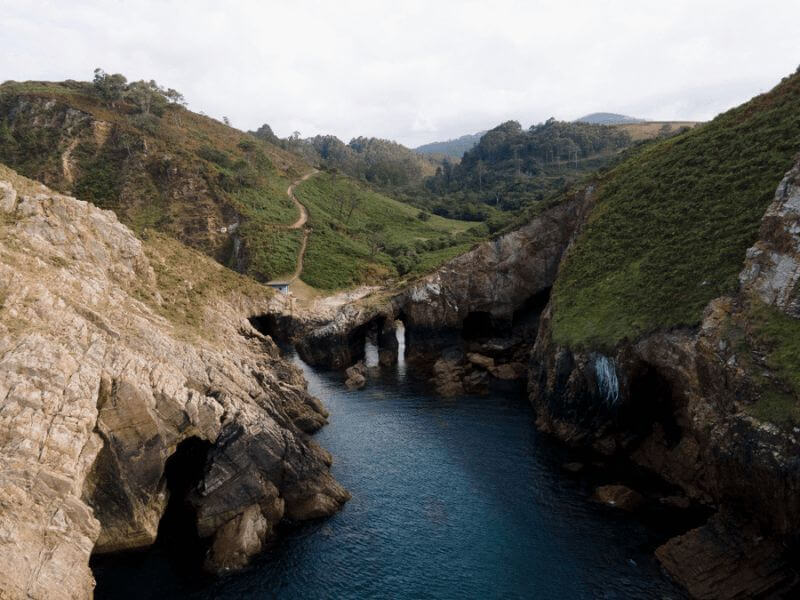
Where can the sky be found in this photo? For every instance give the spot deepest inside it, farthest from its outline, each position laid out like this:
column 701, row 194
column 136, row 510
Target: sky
column 415, row 71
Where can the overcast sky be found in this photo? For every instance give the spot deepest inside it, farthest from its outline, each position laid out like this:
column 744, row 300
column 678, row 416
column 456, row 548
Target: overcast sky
column 415, row 71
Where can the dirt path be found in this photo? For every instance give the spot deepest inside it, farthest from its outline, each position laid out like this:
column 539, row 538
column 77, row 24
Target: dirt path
column 301, row 255
column 303, row 212
column 300, row 223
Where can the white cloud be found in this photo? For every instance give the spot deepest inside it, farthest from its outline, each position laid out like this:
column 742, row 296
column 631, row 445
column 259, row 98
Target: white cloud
column 410, row 70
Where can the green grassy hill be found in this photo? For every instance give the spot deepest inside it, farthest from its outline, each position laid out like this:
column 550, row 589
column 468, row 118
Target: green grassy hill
column 672, row 224
column 178, row 172
column 162, row 167
column 380, row 237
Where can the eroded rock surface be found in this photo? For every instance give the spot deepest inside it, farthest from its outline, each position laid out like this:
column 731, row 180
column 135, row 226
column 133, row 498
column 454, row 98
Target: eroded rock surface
column 680, row 403
column 113, row 353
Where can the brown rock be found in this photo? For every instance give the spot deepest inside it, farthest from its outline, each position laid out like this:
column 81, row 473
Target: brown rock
column 238, row 540
column 356, row 376
column 725, row 561
column 479, row 360
column 509, row 371
column 618, row 496
column 103, row 377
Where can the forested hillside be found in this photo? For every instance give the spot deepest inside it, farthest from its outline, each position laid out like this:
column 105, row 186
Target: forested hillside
column 453, row 149
column 512, row 167
column 382, row 163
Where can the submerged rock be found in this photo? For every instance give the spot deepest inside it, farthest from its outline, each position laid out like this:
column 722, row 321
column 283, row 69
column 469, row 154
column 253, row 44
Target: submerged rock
column 619, row 496
column 114, row 356
column 728, row 560
column 356, row 376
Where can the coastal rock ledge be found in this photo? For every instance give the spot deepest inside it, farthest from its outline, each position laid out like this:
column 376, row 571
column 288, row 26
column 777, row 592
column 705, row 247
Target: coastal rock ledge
column 117, row 357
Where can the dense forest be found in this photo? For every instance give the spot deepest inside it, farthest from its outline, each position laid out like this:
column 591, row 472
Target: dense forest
column 383, row 163
column 511, row 167
column 453, row 149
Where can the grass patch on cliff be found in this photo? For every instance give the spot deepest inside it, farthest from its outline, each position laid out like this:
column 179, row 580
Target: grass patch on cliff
column 672, row 223
column 189, row 282
column 775, row 336
column 362, row 236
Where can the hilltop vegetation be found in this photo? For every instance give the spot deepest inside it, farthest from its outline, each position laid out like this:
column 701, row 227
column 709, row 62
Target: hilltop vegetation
column 382, row 163
column 453, row 149
column 672, row 224
column 605, row 118
column 512, row 167
column 360, row 235
column 135, row 149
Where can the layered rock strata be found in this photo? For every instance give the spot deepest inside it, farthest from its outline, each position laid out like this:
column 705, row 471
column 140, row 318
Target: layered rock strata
column 114, row 354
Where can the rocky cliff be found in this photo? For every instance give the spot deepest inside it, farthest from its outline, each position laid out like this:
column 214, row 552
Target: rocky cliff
column 118, row 356
column 483, row 304
column 712, row 410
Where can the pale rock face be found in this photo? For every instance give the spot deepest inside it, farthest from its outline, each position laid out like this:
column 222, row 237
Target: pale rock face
column 498, row 276
column 97, row 391
column 772, row 269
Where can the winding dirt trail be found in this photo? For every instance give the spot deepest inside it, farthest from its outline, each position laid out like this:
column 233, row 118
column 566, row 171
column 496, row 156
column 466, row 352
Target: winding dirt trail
column 303, row 212
column 300, row 223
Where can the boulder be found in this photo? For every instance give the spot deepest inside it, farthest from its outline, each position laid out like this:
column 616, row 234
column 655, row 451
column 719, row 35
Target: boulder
column 479, row 360
column 728, row 560
column 509, row 371
column 619, row 496
column 356, row 376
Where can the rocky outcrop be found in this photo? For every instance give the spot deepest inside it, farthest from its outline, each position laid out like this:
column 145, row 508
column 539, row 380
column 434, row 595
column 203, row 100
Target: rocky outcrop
column 772, row 268
column 679, row 403
column 618, row 496
column 498, row 277
column 114, row 356
column 356, row 376
column 486, row 301
column 728, row 560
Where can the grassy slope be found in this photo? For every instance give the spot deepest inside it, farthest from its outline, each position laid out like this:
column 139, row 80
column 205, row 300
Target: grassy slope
column 672, row 224
column 774, row 337
column 196, row 146
column 237, row 171
column 338, row 252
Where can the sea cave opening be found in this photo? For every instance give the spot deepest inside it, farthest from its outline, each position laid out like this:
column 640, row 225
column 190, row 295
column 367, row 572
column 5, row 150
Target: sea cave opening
column 526, row 316
column 177, row 529
column 278, row 327
column 477, row 325
column 653, row 405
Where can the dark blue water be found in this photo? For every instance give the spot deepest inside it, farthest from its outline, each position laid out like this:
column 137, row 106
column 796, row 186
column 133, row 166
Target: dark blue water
column 452, row 498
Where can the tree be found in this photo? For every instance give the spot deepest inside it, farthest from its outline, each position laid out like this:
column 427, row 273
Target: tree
column 265, row 133
column 109, row 87
column 376, row 239
column 353, row 202
column 175, row 97
column 227, row 121
column 147, row 96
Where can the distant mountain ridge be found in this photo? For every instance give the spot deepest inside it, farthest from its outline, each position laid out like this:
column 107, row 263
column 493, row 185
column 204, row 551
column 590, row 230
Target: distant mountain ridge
column 606, row 118
column 452, row 148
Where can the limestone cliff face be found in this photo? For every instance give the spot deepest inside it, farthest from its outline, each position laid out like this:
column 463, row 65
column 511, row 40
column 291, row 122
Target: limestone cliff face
column 498, row 276
column 113, row 353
